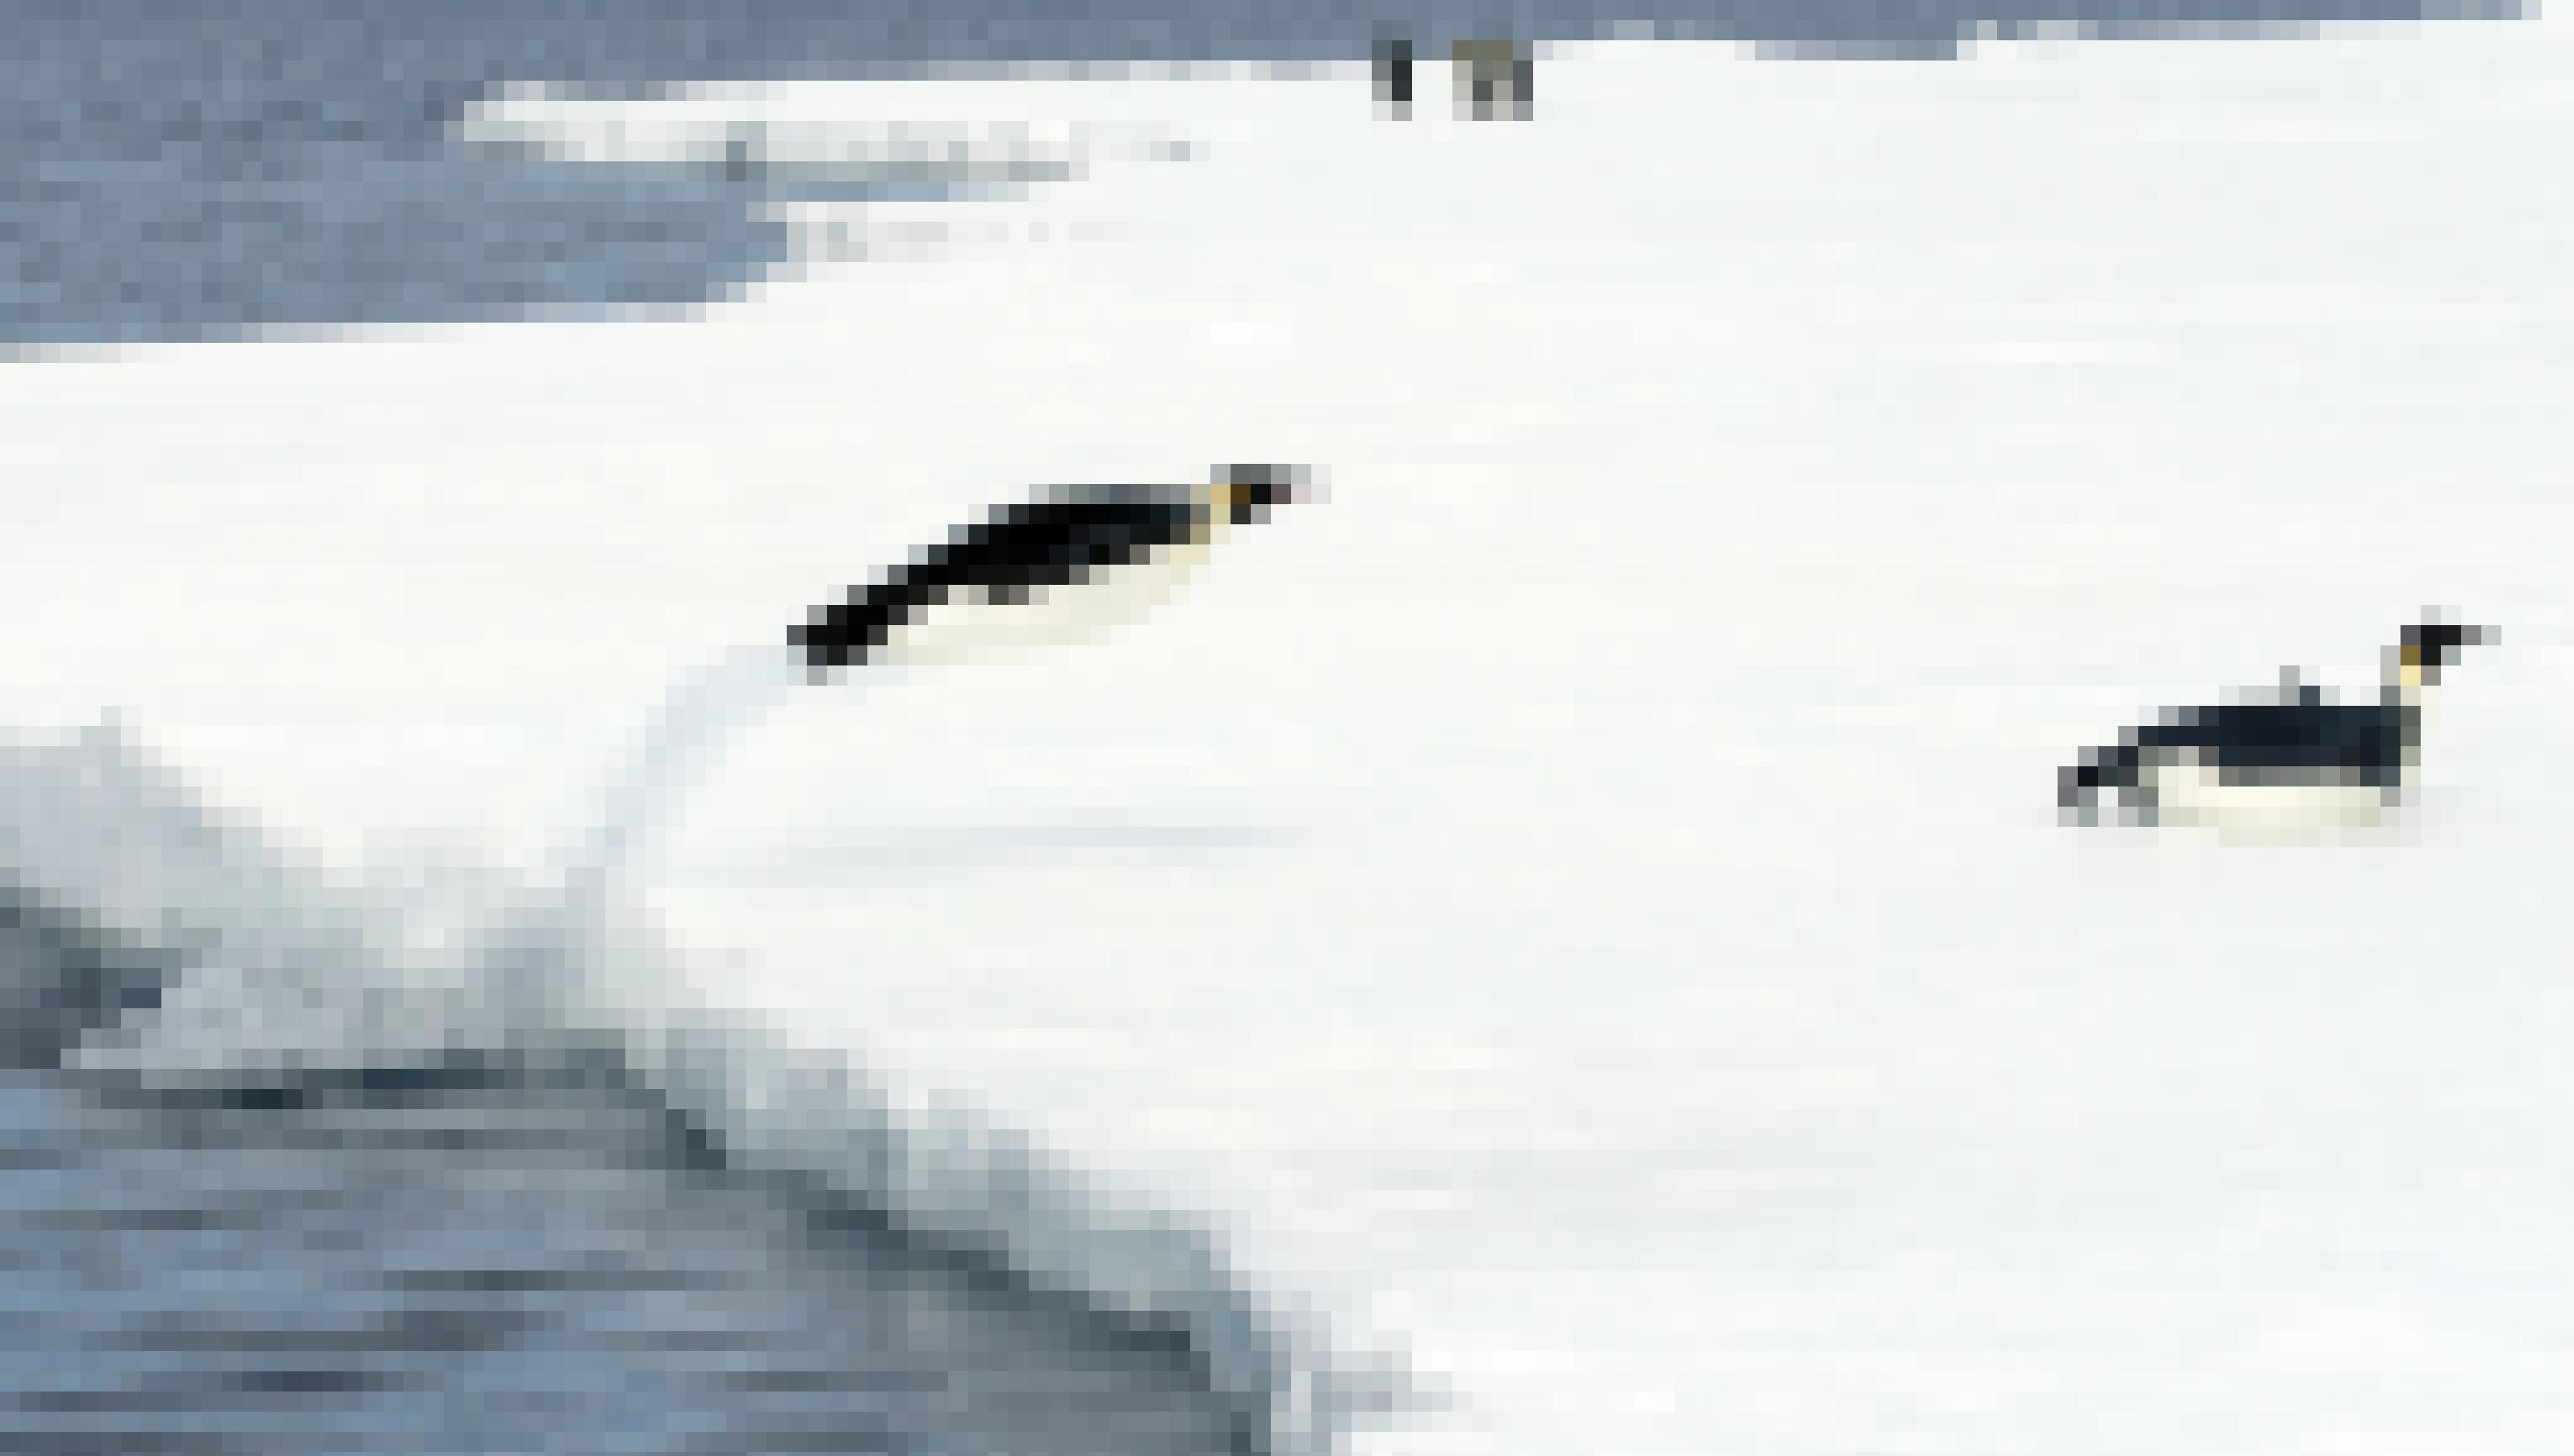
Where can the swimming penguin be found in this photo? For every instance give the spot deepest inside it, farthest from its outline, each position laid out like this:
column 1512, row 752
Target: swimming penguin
column 2302, row 761
column 1047, row 570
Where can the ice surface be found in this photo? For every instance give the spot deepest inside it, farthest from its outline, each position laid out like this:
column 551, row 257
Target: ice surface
column 1585, row 904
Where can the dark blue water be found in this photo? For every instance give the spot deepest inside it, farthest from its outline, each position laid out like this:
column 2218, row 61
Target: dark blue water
column 475, row 1264
column 225, row 167
column 472, row 1260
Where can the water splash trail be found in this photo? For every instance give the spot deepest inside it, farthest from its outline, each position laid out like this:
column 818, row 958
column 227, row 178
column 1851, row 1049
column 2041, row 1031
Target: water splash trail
column 547, row 950
column 698, row 715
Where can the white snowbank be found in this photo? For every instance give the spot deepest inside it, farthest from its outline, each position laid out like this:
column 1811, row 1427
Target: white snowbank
column 1587, row 899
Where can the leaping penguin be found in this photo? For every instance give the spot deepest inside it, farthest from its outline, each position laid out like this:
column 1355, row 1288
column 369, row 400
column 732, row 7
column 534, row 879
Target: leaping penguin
column 1053, row 570
column 2304, row 761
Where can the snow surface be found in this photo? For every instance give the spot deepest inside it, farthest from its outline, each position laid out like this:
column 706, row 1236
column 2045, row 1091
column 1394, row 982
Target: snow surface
column 1583, row 905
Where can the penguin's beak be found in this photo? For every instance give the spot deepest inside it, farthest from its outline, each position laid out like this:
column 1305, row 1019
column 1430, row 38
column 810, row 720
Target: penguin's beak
column 1250, row 494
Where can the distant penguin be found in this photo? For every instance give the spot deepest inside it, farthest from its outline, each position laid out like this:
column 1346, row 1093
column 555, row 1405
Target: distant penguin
column 1055, row 569
column 1493, row 79
column 2303, row 761
column 1393, row 68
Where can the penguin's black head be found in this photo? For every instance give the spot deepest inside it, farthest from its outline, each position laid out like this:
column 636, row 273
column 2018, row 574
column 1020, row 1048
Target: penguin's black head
column 1250, row 493
column 2430, row 646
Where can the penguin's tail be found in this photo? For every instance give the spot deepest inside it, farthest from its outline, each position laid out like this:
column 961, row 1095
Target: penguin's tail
column 2102, row 771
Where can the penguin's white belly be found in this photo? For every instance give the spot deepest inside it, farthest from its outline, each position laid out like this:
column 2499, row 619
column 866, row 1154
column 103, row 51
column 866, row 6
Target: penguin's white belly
column 970, row 624
column 2189, row 790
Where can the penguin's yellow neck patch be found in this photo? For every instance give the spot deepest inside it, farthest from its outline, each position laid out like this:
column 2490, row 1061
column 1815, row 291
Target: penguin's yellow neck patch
column 1221, row 498
column 2408, row 672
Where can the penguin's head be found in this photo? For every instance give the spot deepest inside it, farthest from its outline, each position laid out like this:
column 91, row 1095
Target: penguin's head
column 2430, row 645
column 1247, row 494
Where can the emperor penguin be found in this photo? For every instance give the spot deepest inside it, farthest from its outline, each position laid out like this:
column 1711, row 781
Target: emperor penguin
column 2304, row 761
column 1057, row 568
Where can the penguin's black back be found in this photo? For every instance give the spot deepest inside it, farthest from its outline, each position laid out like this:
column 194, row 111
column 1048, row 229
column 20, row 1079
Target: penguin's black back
column 2364, row 741
column 1057, row 540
